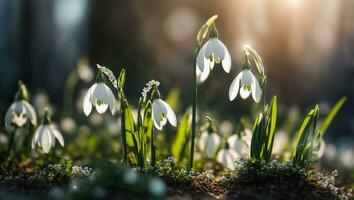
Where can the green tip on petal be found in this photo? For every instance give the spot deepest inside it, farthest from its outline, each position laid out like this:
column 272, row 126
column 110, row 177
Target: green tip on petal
column 100, row 78
column 46, row 118
column 155, row 93
column 246, row 63
column 211, row 127
column 213, row 32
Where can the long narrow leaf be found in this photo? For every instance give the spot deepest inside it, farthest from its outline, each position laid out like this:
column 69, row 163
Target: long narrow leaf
column 181, row 137
column 332, row 114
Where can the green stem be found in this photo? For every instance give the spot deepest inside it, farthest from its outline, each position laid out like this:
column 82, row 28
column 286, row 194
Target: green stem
column 264, row 92
column 124, row 136
column 153, row 150
column 194, row 109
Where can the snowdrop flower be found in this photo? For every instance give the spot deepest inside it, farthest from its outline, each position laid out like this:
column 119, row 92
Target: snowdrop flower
column 99, row 95
column 209, row 141
column 21, row 110
column 227, row 156
column 246, row 83
column 161, row 111
column 213, row 51
column 319, row 153
column 240, row 146
column 45, row 135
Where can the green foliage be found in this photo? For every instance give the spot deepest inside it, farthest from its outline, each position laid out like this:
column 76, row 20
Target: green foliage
column 263, row 134
column 332, row 114
column 307, row 139
column 181, row 140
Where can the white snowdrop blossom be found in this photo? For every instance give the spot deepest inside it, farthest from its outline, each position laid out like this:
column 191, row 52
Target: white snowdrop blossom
column 319, row 153
column 227, row 157
column 246, row 83
column 161, row 113
column 239, row 145
column 101, row 96
column 45, row 136
column 19, row 113
column 213, row 51
column 208, row 143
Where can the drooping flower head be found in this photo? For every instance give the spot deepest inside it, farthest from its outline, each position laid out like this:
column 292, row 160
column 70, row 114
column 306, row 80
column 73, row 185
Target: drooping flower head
column 209, row 141
column 46, row 133
column 213, row 51
column 100, row 96
column 161, row 111
column 21, row 110
column 245, row 83
column 227, row 156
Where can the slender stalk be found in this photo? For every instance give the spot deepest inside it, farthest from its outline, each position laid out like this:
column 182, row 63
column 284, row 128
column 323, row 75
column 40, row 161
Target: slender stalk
column 153, row 150
column 194, row 109
column 124, row 136
column 264, row 92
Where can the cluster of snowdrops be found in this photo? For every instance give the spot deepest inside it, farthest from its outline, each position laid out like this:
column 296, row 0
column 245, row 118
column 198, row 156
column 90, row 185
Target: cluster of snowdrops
column 138, row 134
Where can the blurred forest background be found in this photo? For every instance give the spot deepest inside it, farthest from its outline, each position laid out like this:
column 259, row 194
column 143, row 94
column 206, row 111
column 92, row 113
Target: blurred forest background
column 307, row 47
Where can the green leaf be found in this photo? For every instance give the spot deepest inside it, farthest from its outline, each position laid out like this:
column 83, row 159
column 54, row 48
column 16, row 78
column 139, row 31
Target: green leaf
column 130, row 130
column 306, row 140
column 332, row 114
column 271, row 127
column 121, row 79
column 182, row 137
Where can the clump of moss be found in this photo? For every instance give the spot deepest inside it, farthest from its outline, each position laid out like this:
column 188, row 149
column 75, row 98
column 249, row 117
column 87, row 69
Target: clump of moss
column 181, row 181
column 256, row 180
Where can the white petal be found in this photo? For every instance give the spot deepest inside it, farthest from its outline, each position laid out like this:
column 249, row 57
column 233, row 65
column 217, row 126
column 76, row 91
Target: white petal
column 235, row 85
column 87, row 105
column 19, row 107
column 8, row 115
column 256, row 90
column 226, row 62
column 30, row 112
column 46, row 139
column 202, row 76
column 157, row 125
column 208, row 49
column 36, row 136
column 213, row 142
column 104, row 94
column 244, row 93
column 101, row 108
column 57, row 135
column 201, row 60
column 171, row 116
column 227, row 157
column 238, row 145
column 202, row 140
column 112, row 103
column 247, row 78
column 157, row 113
column 214, row 47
